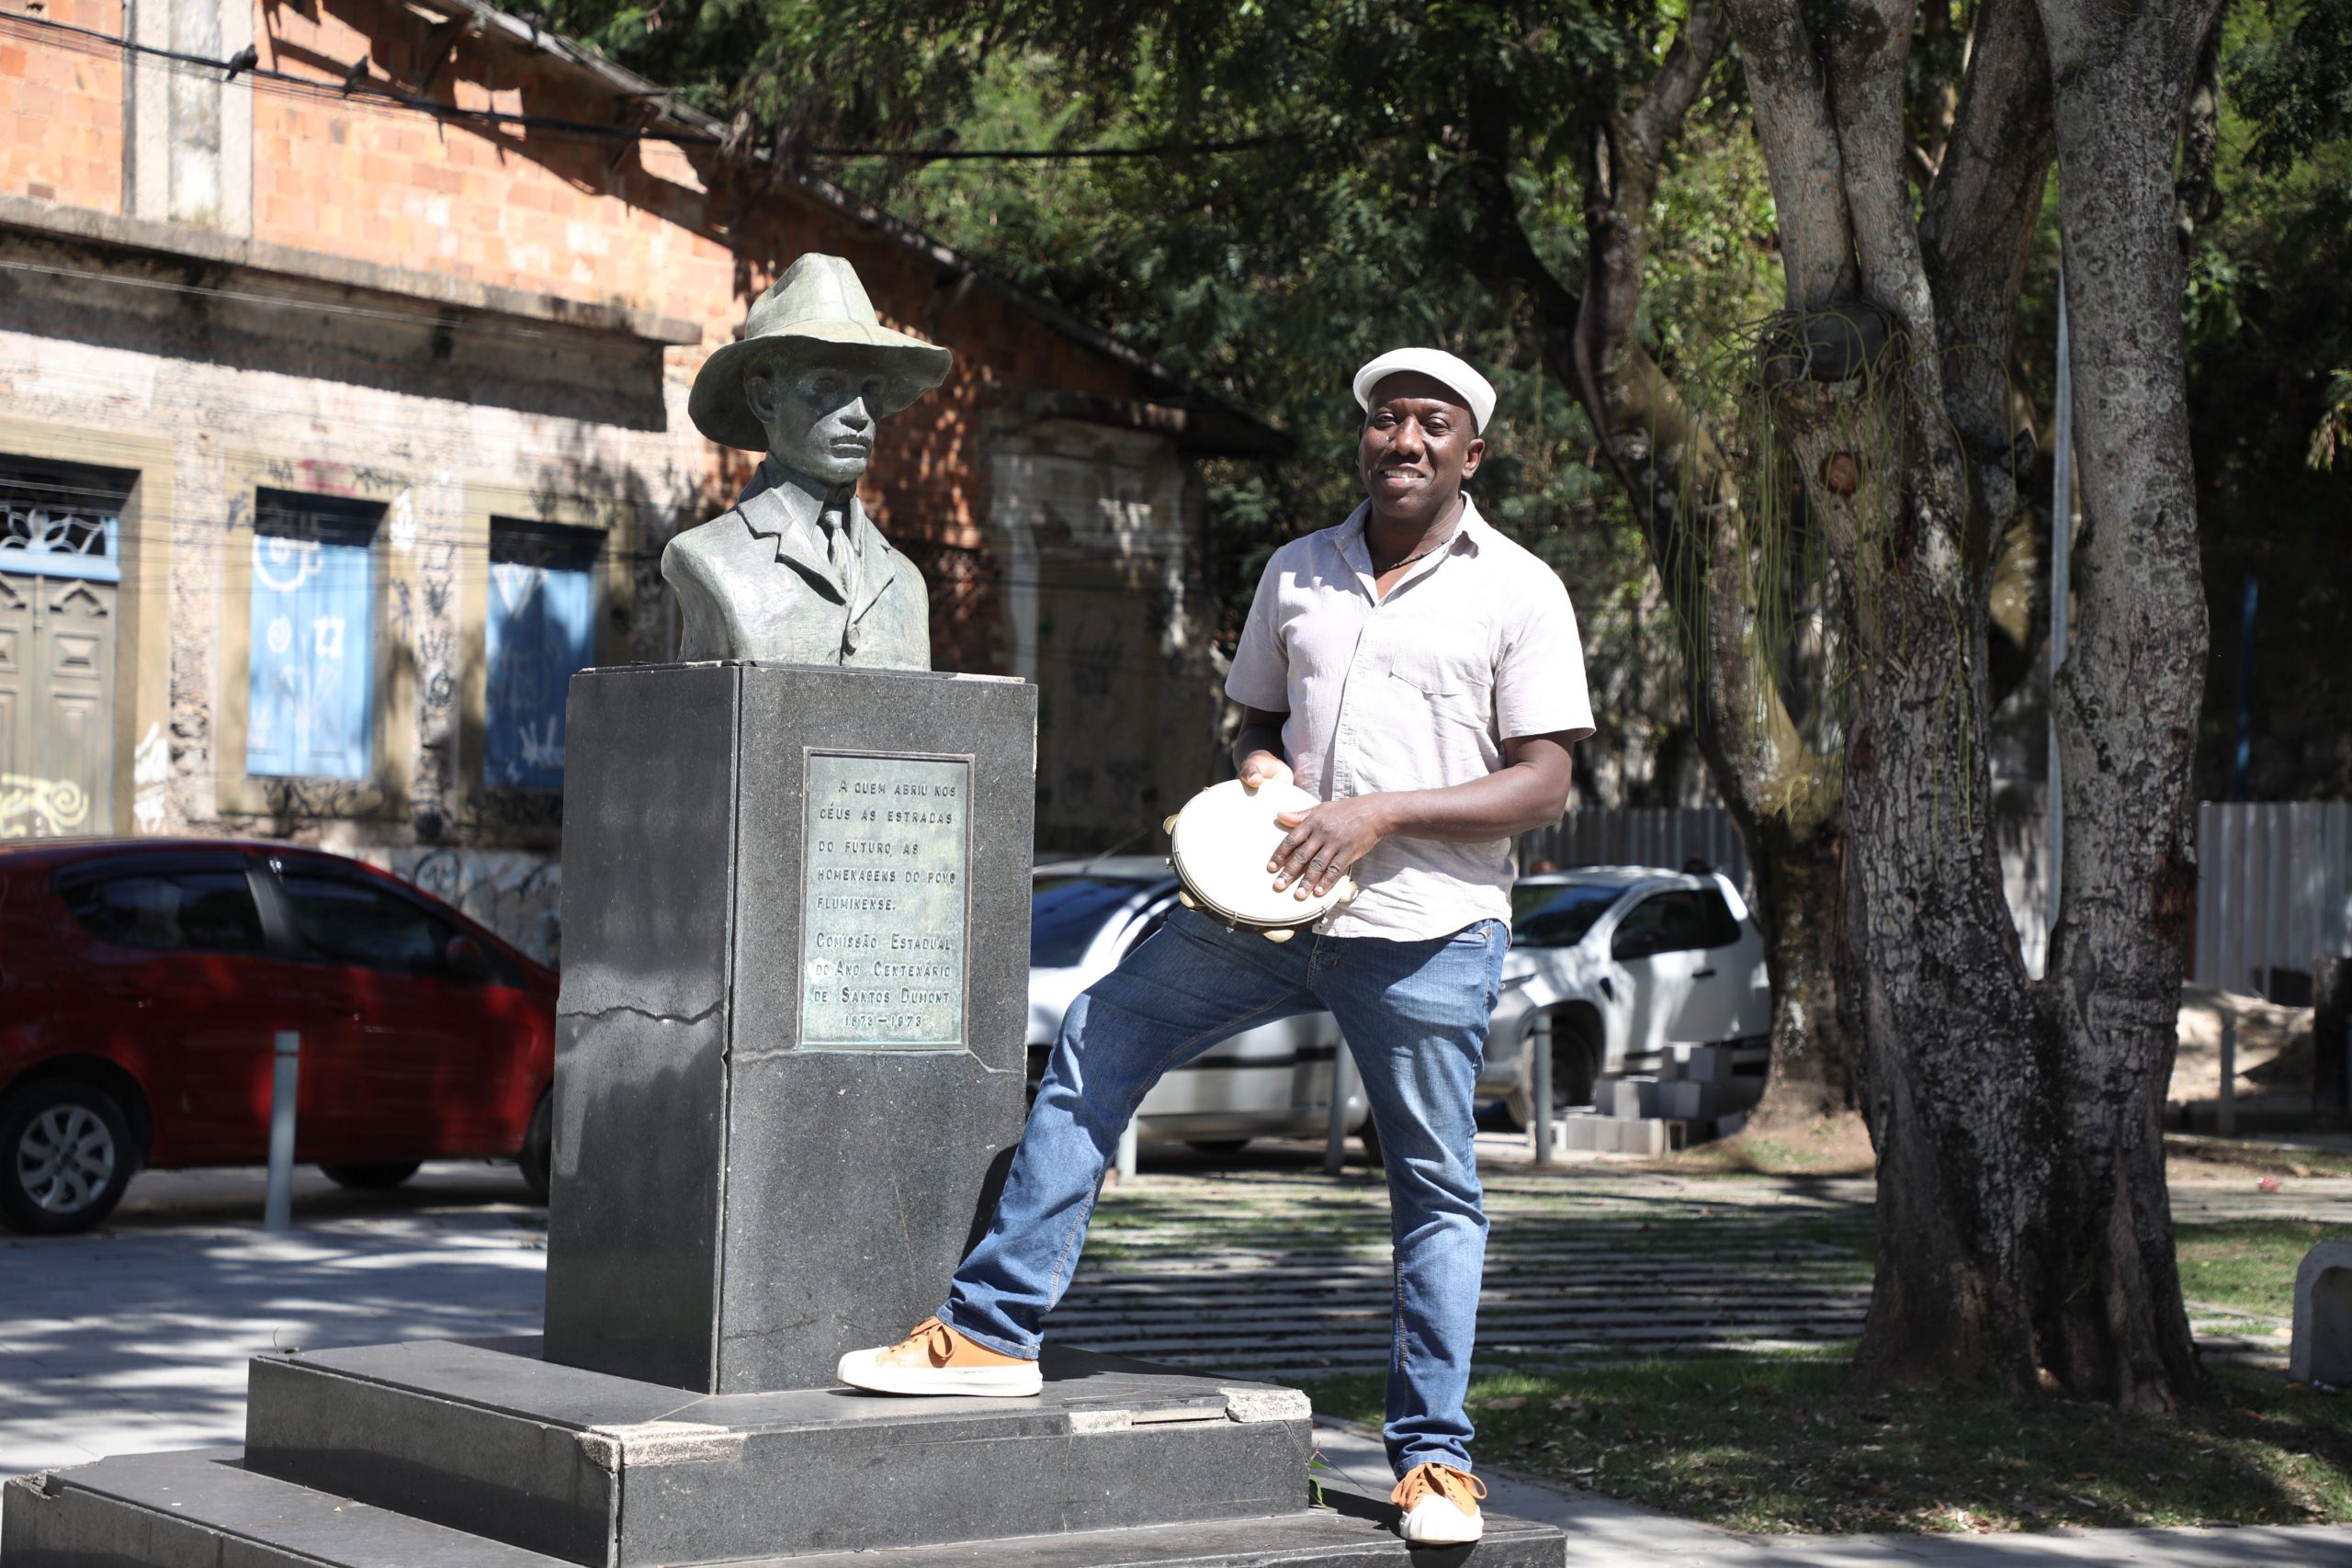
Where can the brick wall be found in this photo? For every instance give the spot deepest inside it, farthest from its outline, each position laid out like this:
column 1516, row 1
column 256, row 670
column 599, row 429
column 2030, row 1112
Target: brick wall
column 60, row 106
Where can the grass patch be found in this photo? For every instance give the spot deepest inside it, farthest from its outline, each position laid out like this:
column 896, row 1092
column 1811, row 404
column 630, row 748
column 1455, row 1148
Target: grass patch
column 2248, row 1264
column 1787, row 1444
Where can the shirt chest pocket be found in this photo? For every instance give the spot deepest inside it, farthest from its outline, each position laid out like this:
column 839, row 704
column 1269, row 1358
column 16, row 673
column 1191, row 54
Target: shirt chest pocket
column 1448, row 670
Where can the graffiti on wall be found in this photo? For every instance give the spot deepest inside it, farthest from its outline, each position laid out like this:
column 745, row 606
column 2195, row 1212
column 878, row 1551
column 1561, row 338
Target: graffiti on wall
column 38, row 809
column 150, row 779
column 514, row 892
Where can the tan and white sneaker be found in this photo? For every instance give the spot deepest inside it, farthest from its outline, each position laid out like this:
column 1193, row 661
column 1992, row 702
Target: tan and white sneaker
column 934, row 1359
column 1440, row 1506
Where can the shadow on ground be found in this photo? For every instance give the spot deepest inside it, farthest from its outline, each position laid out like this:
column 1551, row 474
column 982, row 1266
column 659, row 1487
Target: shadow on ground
column 135, row 1336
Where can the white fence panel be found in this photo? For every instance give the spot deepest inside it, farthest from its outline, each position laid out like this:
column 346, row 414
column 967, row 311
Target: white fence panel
column 2274, row 879
column 2274, row 891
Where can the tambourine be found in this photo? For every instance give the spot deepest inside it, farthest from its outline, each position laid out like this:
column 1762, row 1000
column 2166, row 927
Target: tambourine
column 1220, row 845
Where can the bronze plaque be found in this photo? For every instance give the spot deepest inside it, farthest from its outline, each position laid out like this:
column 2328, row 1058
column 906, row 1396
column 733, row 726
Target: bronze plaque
column 885, row 867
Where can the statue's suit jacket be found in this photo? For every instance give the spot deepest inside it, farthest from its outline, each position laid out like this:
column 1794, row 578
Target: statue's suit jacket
column 754, row 583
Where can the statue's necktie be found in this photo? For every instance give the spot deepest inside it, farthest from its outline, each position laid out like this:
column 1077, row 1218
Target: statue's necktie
column 843, row 560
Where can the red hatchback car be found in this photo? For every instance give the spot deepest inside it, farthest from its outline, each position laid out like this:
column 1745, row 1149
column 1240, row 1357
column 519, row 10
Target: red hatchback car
column 143, row 983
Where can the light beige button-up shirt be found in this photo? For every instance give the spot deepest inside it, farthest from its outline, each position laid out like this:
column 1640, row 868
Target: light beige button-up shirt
column 1477, row 645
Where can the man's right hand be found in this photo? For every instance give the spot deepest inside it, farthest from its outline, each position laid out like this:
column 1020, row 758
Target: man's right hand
column 1262, row 768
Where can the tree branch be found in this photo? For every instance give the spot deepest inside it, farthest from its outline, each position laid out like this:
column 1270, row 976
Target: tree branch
column 2201, row 136
column 1793, row 122
column 1870, row 45
column 1977, row 228
column 1680, row 76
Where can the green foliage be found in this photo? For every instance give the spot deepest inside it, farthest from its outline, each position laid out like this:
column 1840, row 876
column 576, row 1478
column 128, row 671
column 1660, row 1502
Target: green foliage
column 2269, row 328
column 2335, row 427
column 2294, row 83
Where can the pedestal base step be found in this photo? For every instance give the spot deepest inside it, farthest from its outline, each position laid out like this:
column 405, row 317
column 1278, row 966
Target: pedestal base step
column 607, row 1473
column 202, row 1507
column 1352, row 1534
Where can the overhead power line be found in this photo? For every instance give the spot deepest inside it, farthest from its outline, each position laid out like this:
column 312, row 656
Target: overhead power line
column 358, row 81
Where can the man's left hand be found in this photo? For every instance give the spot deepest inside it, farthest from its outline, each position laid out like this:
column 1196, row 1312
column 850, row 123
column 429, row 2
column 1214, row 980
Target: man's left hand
column 1324, row 841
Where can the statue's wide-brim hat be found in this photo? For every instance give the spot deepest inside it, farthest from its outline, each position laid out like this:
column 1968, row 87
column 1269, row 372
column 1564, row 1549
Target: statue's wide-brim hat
column 817, row 310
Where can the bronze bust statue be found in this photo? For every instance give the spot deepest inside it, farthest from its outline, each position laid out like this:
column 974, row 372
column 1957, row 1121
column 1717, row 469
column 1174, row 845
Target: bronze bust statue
column 794, row 573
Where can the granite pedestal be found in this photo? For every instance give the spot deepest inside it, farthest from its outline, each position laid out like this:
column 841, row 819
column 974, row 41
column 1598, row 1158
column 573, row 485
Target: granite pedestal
column 482, row 1454
column 796, row 944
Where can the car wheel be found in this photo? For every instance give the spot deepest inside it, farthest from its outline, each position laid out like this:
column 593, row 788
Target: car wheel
column 536, row 1161
column 70, row 1157
column 1576, row 1059
column 371, row 1177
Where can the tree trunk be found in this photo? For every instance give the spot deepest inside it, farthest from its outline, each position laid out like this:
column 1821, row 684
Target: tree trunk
column 2022, row 1214
column 1780, row 789
column 1800, row 900
column 2110, row 1318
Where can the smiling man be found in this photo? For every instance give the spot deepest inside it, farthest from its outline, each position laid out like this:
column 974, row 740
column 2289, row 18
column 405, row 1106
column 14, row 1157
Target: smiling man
column 1420, row 674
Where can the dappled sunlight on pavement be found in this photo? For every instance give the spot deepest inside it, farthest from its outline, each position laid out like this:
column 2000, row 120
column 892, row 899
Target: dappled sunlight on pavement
column 135, row 1336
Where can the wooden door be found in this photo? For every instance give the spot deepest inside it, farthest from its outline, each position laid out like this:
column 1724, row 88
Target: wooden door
column 56, row 706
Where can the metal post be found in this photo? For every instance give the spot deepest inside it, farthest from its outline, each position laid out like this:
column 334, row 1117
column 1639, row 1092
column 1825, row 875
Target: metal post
column 2242, row 756
column 277, row 1209
column 1127, row 1151
column 1538, row 1041
column 1335, row 1142
column 2226, row 1115
column 2062, row 541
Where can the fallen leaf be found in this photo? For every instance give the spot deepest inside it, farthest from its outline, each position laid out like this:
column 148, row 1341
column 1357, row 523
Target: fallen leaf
column 1509, row 1402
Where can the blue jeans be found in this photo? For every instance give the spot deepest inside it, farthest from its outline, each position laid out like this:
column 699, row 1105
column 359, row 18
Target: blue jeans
column 1414, row 1014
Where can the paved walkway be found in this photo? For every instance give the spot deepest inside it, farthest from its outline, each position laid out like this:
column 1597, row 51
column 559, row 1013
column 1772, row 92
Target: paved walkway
column 137, row 1337
column 1583, row 1264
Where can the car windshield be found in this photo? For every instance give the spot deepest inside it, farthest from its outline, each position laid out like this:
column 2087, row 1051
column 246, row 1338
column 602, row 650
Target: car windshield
column 1065, row 913
column 1557, row 914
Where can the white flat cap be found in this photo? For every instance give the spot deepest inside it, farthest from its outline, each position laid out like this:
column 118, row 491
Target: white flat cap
column 1439, row 365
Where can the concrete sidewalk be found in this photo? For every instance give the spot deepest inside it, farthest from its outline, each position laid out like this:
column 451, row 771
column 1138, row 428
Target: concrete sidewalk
column 1604, row 1533
column 135, row 1337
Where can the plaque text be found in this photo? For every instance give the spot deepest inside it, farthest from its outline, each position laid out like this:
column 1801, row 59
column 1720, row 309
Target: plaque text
column 886, row 855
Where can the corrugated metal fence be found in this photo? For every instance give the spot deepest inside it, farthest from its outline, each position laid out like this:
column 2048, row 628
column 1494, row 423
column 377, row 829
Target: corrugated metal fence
column 1640, row 836
column 2274, row 891
column 2274, row 879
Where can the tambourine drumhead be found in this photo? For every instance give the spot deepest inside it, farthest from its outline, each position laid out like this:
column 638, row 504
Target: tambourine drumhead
column 1220, row 845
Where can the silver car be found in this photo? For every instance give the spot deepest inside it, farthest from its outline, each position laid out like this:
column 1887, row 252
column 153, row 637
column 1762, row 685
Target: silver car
column 1271, row 1081
column 1626, row 961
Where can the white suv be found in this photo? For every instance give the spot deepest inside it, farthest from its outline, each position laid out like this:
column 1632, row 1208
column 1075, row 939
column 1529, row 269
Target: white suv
column 1625, row 961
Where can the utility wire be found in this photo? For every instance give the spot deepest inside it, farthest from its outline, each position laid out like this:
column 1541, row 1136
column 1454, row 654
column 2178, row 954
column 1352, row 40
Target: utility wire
column 381, row 90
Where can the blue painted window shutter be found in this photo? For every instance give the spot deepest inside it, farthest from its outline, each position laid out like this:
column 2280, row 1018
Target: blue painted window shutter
column 309, row 701
column 540, row 631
